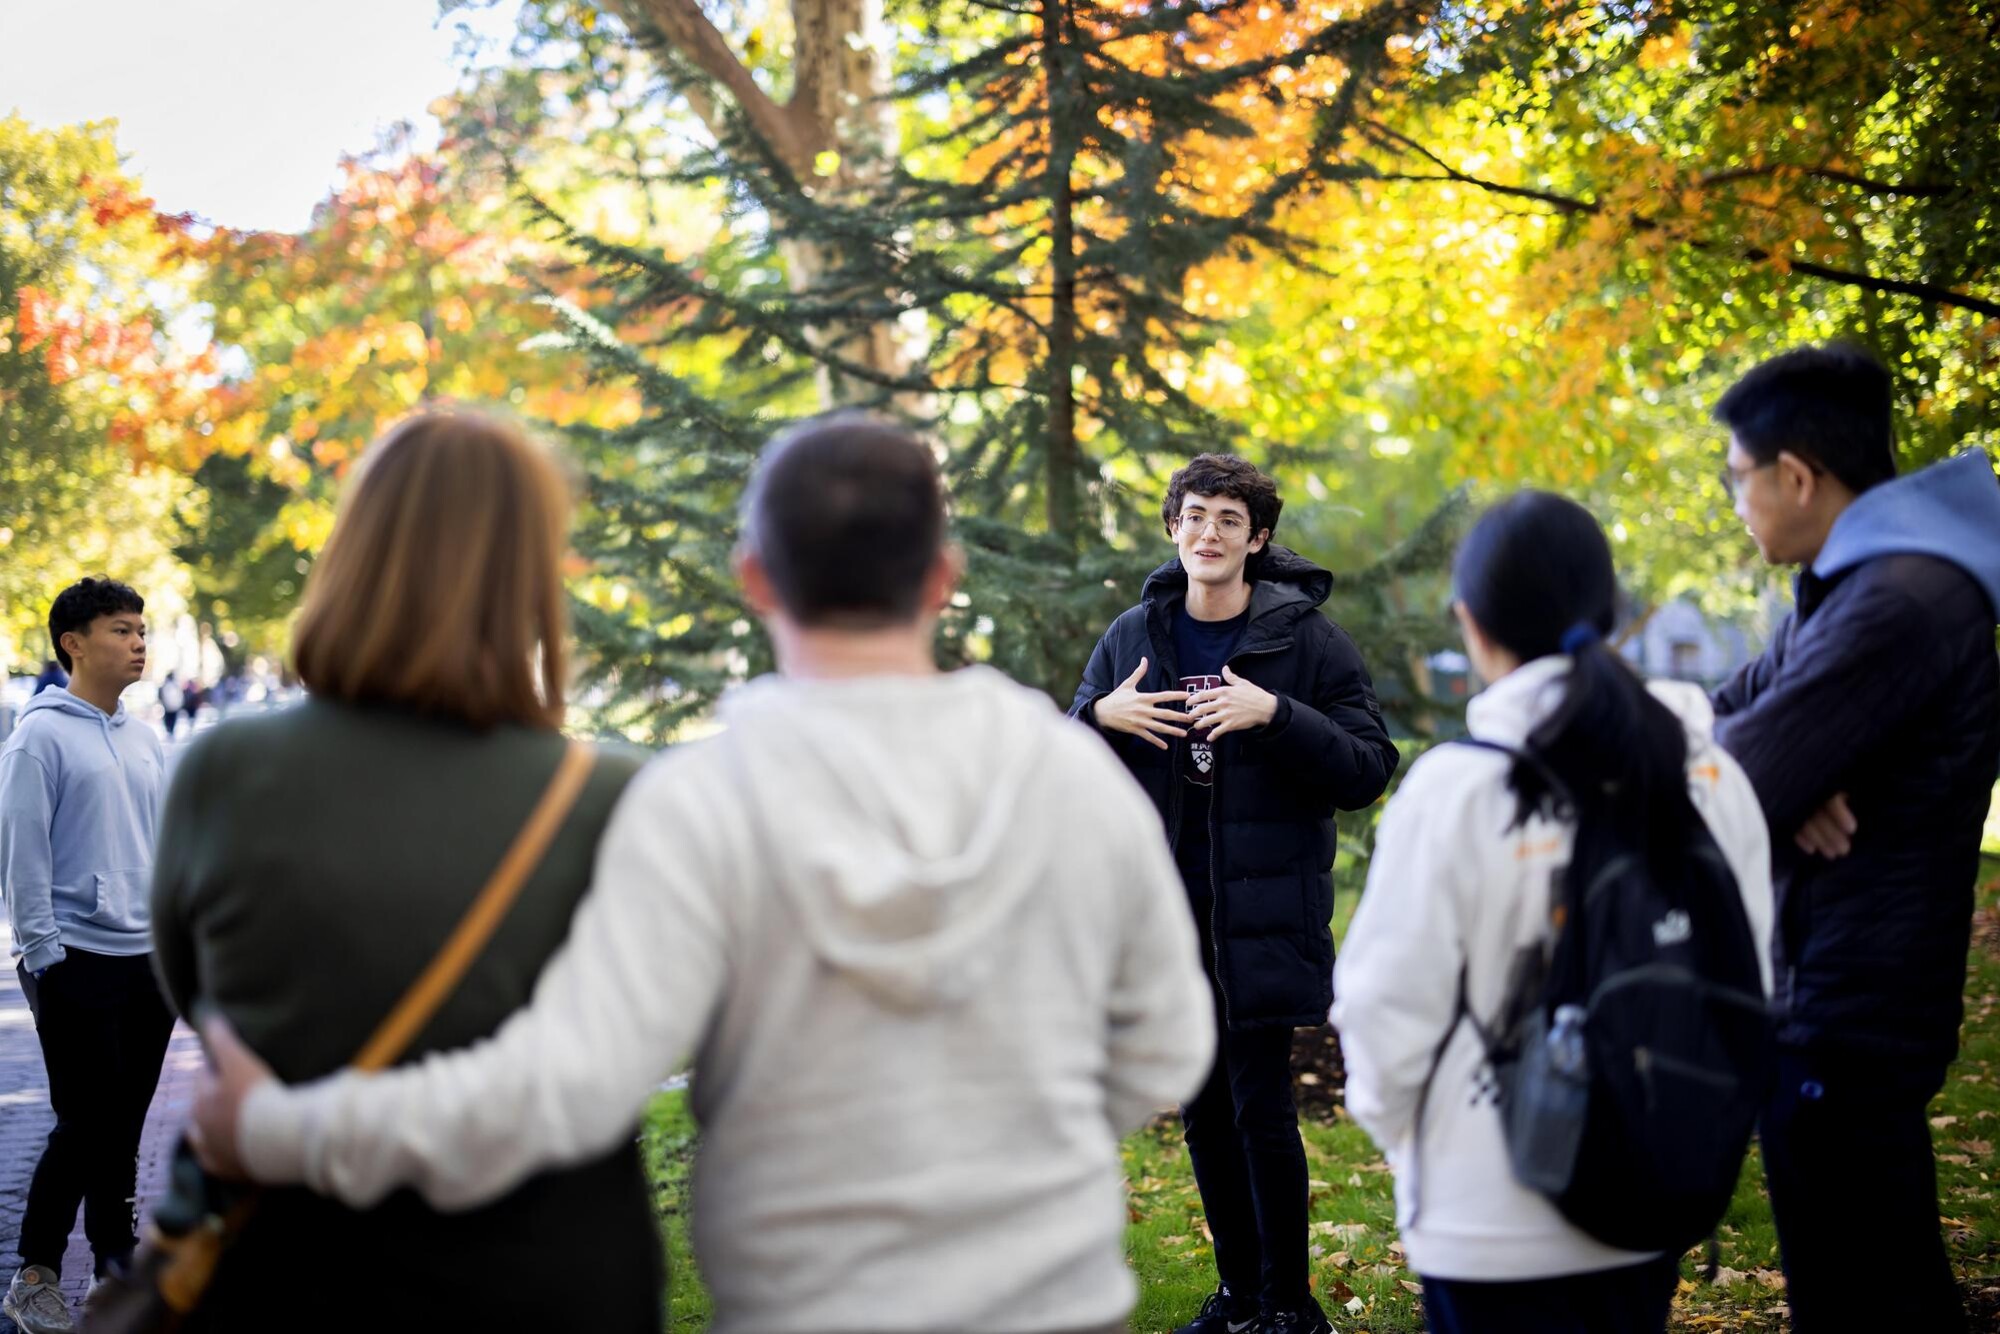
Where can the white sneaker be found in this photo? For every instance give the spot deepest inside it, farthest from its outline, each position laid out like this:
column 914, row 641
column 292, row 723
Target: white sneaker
column 35, row 1302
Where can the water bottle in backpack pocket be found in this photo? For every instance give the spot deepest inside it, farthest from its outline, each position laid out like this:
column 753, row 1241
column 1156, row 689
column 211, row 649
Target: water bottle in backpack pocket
column 1545, row 1098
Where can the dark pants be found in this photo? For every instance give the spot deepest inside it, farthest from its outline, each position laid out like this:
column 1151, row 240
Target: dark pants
column 104, row 1030
column 1632, row 1300
column 1243, row 1139
column 1847, row 1155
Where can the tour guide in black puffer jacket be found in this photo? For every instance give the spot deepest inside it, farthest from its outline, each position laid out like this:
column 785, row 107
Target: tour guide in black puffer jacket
column 1251, row 818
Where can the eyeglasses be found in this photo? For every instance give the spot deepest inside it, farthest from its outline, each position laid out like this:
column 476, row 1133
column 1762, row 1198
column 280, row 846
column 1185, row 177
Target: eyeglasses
column 1229, row 525
column 1733, row 479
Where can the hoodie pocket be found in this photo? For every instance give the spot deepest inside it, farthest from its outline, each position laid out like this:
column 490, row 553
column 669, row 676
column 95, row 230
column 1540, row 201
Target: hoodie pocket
column 122, row 900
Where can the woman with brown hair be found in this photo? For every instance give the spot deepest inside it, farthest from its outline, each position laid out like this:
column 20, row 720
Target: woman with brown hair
column 314, row 860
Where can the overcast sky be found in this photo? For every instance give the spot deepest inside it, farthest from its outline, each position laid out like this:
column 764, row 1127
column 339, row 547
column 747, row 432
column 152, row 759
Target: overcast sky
column 236, row 110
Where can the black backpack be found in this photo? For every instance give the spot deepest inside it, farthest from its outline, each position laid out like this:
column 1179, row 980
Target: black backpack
column 1633, row 1052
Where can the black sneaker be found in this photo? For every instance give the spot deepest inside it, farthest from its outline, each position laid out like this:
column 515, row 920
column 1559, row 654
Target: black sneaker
column 1307, row 1319
column 1223, row 1313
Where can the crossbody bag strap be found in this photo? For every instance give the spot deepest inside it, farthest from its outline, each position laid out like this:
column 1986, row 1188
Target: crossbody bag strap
column 437, row 982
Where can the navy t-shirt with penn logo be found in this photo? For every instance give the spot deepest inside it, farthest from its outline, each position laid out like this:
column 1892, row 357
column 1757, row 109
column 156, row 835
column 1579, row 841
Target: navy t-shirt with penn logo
column 1201, row 649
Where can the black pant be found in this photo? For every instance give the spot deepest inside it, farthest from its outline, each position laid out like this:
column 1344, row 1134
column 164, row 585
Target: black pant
column 1243, row 1139
column 104, row 1030
column 1631, row 1300
column 1847, row 1155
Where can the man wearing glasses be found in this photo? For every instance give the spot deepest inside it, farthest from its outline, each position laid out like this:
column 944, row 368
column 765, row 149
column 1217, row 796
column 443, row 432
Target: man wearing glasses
column 1249, row 718
column 1871, row 730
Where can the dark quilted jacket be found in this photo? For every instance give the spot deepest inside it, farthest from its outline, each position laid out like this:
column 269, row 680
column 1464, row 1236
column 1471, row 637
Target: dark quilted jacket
column 1883, row 684
column 1276, row 788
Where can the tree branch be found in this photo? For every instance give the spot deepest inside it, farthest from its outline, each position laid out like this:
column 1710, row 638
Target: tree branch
column 683, row 25
column 1561, row 203
column 1942, row 296
column 1919, row 191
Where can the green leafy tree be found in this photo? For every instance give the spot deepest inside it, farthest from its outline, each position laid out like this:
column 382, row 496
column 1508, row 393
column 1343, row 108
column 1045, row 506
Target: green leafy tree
column 84, row 375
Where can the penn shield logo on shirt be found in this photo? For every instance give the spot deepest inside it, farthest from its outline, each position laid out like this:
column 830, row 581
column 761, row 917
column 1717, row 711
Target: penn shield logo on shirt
column 1201, row 754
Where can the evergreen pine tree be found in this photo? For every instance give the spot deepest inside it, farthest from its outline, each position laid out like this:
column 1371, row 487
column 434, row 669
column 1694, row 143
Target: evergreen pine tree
column 1032, row 244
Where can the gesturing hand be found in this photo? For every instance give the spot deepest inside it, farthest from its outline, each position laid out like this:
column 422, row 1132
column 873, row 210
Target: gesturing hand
column 1235, row 707
column 1829, row 831
column 233, row 1072
column 1142, row 713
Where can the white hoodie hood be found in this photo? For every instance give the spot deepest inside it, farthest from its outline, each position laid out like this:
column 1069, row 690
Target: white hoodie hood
column 899, row 885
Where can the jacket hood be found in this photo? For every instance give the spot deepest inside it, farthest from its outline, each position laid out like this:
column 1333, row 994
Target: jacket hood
column 1950, row 510
column 61, row 701
column 1285, row 586
column 1510, row 708
column 893, row 808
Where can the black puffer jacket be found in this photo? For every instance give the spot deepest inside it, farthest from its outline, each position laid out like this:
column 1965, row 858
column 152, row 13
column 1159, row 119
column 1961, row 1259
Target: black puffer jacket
column 1276, row 788
column 1884, row 685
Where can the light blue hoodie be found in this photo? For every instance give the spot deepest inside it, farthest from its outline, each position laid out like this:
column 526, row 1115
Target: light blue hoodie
column 1950, row 510
column 79, row 805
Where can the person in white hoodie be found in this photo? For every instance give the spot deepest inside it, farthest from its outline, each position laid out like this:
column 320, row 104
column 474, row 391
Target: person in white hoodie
column 1460, row 884
column 80, row 790
column 919, row 929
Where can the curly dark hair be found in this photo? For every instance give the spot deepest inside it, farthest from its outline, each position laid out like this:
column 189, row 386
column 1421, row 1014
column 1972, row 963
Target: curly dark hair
column 1224, row 475
column 83, row 602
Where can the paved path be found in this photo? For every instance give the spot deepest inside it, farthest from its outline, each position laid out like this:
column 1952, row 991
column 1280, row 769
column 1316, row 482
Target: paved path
column 25, row 1120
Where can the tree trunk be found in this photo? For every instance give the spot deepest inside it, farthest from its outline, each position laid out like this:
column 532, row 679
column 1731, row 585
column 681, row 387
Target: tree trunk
column 1062, row 455
column 839, row 106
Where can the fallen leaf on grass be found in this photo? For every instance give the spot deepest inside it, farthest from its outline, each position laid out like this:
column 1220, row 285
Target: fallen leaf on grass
column 1408, row 1286
column 1340, row 1259
column 1726, row 1277
column 1770, row 1278
column 1340, row 1292
column 1955, row 1159
column 1979, row 1147
column 1345, row 1231
column 1353, row 1306
column 1178, row 1240
column 1940, row 1122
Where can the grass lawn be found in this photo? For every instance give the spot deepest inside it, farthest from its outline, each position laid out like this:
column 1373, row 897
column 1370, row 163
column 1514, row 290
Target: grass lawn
column 1358, row 1265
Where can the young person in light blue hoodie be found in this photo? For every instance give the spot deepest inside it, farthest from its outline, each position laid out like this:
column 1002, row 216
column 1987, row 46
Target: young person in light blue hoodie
column 80, row 790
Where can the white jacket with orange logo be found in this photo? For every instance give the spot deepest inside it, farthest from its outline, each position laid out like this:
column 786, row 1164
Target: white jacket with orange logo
column 1452, row 887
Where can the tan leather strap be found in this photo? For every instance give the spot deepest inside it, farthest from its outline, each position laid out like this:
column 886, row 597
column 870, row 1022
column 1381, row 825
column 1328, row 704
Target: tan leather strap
column 435, row 985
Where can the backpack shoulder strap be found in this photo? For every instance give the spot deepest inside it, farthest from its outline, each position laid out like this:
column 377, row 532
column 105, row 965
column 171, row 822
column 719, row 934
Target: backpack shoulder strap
column 1458, row 1012
column 1523, row 755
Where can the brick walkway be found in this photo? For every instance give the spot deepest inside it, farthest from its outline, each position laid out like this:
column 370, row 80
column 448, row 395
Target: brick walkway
column 25, row 1120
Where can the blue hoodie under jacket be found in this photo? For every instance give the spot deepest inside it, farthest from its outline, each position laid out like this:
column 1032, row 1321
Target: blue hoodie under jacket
column 1883, row 684
column 80, row 798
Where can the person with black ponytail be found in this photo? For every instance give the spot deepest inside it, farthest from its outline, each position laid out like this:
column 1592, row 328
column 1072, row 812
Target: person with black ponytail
column 1459, row 895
